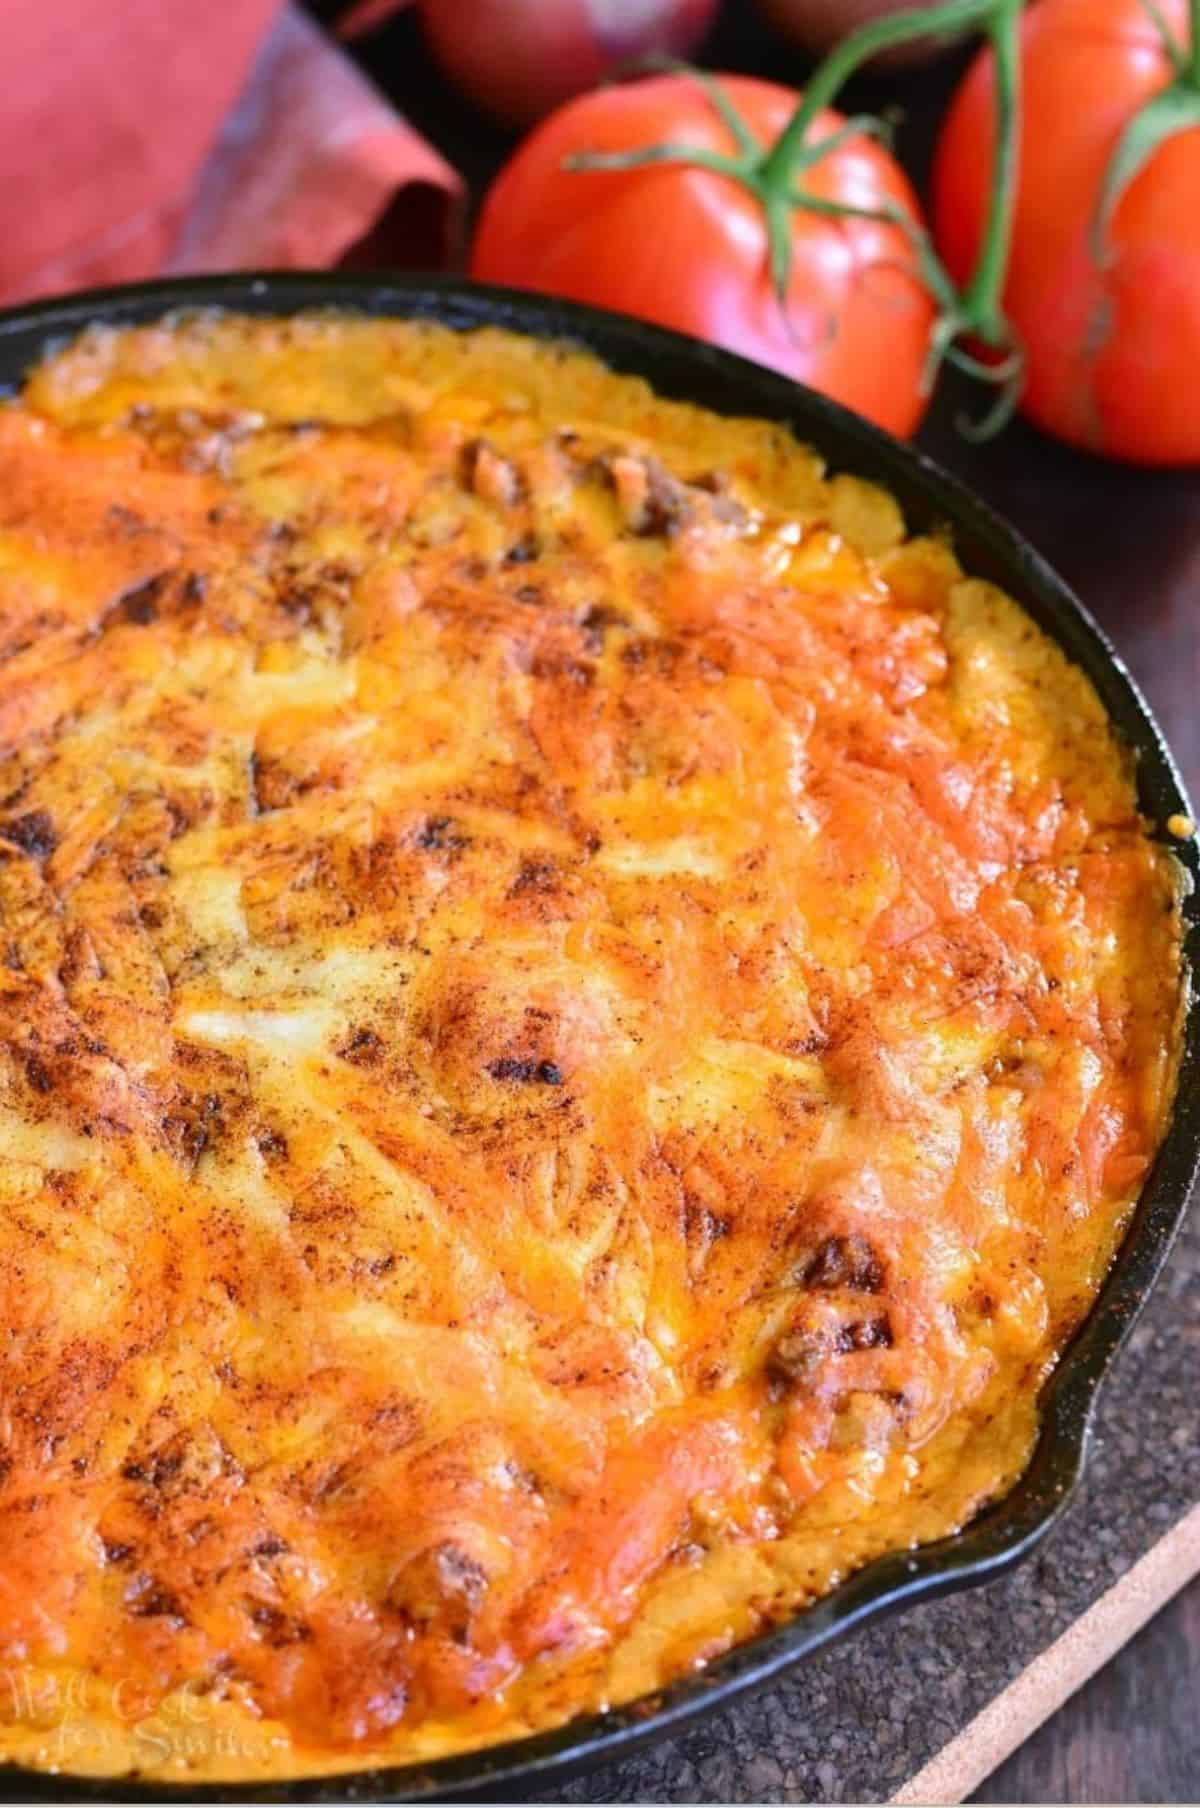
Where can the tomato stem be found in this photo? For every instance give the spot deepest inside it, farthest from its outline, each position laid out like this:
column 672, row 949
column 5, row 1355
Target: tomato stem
column 948, row 20
column 1171, row 44
column 695, row 156
column 1172, row 109
column 981, row 303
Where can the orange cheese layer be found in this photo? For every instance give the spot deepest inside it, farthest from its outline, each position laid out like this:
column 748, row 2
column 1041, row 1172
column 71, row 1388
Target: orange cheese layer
column 581, row 1018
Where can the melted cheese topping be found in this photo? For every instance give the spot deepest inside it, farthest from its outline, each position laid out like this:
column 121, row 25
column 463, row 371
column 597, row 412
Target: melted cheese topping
column 581, row 1019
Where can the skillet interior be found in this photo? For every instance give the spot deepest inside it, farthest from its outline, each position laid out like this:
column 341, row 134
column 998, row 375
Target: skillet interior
column 1008, row 1531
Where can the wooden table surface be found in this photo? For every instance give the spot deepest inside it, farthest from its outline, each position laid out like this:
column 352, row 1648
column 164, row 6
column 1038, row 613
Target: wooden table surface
column 1131, row 1735
column 1129, row 542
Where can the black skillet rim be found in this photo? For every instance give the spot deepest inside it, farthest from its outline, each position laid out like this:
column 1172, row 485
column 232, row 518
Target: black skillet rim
column 1004, row 1533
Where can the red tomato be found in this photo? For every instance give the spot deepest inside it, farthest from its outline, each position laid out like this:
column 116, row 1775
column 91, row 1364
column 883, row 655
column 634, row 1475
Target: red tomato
column 687, row 247
column 1113, row 349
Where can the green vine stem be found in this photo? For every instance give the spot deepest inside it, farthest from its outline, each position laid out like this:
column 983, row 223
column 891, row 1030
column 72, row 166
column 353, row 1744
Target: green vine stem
column 950, row 20
column 1175, row 108
column 982, row 297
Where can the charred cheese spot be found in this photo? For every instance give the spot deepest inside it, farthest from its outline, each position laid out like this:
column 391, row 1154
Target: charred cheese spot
column 505, row 1015
column 580, row 1021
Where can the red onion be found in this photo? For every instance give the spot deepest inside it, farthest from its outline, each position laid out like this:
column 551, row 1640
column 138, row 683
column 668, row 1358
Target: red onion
column 518, row 59
column 817, row 25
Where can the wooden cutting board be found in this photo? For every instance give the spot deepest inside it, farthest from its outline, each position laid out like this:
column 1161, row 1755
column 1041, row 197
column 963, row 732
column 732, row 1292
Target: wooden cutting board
column 1054, row 1675
column 922, row 1707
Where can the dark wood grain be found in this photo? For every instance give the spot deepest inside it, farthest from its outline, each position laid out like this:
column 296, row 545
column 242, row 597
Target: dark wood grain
column 1131, row 1735
column 1129, row 542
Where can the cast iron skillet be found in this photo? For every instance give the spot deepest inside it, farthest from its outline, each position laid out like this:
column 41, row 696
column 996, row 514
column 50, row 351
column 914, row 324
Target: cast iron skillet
column 1005, row 1533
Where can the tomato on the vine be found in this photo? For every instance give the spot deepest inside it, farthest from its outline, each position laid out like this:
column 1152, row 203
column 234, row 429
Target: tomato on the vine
column 679, row 241
column 1107, row 308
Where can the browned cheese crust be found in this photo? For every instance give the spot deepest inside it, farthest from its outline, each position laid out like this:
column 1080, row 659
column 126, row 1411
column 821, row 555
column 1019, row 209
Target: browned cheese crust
column 581, row 1020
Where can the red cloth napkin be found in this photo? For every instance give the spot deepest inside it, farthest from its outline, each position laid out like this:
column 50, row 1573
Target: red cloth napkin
column 140, row 136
